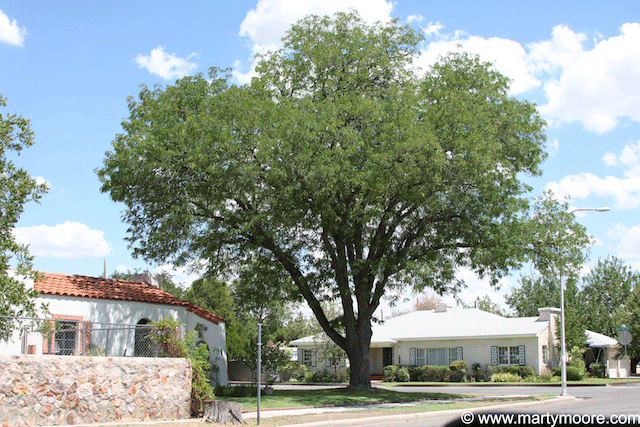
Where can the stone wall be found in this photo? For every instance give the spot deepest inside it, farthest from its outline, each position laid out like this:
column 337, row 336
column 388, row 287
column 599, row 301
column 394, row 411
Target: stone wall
column 55, row 390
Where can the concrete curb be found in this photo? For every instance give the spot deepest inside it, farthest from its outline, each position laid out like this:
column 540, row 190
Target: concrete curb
column 423, row 415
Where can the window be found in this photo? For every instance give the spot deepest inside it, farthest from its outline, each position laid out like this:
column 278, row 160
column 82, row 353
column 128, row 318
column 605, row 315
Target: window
column 513, row 355
column 65, row 337
column 545, row 354
column 307, row 357
column 435, row 356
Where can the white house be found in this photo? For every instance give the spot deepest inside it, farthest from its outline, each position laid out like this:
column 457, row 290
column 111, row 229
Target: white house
column 98, row 316
column 443, row 335
column 606, row 350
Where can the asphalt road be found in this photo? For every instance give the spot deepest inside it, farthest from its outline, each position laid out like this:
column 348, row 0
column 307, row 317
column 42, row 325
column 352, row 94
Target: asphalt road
column 608, row 401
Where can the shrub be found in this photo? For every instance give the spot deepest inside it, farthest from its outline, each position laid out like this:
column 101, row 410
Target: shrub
column 481, row 372
column 598, row 370
column 236, row 391
column 460, row 365
column 390, row 372
column 573, row 373
column 430, row 373
column 324, row 377
column 521, row 371
column 402, row 375
column 505, row 377
column 165, row 336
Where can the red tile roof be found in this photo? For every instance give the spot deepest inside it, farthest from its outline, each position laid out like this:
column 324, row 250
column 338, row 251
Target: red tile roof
column 113, row 289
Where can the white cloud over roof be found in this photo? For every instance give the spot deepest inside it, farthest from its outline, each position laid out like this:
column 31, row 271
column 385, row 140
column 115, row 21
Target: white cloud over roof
column 68, row 240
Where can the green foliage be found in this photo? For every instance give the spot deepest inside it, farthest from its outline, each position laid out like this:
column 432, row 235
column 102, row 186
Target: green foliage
column 606, row 289
column 480, row 372
column 402, row 375
column 598, row 370
column 236, row 391
column 573, row 373
column 521, row 371
column 390, row 372
column 339, row 166
column 486, row 304
column 16, row 189
column 324, row 377
column 430, row 373
column 576, row 359
column 505, row 377
column 166, row 338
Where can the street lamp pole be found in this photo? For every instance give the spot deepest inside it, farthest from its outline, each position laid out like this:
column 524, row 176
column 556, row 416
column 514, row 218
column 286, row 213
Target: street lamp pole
column 564, row 355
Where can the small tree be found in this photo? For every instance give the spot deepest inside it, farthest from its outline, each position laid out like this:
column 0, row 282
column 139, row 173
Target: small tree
column 16, row 189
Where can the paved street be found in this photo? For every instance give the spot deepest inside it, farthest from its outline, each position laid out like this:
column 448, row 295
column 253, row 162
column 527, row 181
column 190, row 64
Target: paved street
column 612, row 400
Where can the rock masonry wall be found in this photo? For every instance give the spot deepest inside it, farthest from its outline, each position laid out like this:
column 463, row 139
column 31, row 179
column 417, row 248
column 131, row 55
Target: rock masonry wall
column 57, row 390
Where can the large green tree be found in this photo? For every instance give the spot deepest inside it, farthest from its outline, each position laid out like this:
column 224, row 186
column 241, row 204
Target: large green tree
column 16, row 189
column 606, row 288
column 340, row 164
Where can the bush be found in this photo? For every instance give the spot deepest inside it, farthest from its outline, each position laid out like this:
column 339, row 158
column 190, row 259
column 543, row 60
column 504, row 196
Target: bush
column 165, row 337
column 236, row 391
column 430, row 373
column 573, row 373
column 521, row 371
column 598, row 370
column 480, row 372
column 402, row 375
column 390, row 372
column 505, row 377
column 460, row 365
column 324, row 377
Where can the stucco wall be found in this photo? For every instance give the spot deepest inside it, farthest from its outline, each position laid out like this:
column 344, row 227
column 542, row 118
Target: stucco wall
column 55, row 390
column 121, row 343
column 474, row 350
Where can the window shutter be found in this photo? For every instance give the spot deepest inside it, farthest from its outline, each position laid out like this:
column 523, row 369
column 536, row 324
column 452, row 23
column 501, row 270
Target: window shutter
column 327, row 362
column 314, row 357
column 412, row 356
column 459, row 353
column 494, row 356
column 521, row 359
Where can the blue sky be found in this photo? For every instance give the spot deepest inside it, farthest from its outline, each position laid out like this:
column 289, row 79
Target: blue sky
column 69, row 67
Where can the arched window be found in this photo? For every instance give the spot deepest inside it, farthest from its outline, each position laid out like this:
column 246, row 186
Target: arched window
column 142, row 346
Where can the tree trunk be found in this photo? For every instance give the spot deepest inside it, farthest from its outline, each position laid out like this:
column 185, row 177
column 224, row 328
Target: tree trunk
column 359, row 363
column 222, row 412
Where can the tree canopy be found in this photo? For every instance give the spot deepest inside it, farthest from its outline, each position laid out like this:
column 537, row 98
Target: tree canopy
column 339, row 164
column 16, row 189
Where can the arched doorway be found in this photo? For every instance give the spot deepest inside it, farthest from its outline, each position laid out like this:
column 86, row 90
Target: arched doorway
column 142, row 347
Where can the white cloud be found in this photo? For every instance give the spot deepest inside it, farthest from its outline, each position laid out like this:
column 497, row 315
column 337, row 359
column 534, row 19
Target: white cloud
column 68, row 240
column 10, row 32
column 415, row 18
column 624, row 190
column 595, row 86
column 628, row 247
column 265, row 25
column 166, row 65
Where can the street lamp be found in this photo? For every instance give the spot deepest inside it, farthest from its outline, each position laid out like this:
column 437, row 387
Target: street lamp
column 564, row 356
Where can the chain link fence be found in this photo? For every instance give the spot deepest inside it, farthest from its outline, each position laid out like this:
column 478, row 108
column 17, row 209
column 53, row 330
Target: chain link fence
column 66, row 337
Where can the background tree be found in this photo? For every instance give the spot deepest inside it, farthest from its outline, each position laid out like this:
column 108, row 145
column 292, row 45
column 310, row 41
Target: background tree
column 605, row 289
column 16, row 189
column 340, row 165
column 486, row 304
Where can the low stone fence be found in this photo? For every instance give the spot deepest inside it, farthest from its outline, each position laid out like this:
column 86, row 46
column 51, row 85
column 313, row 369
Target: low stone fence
column 55, row 390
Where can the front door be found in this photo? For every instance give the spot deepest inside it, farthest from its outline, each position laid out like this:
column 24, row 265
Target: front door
column 387, row 356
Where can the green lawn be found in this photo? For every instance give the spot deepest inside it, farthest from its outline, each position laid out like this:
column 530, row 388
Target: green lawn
column 333, row 397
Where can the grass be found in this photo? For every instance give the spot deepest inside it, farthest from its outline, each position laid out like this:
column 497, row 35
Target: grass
column 334, row 397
